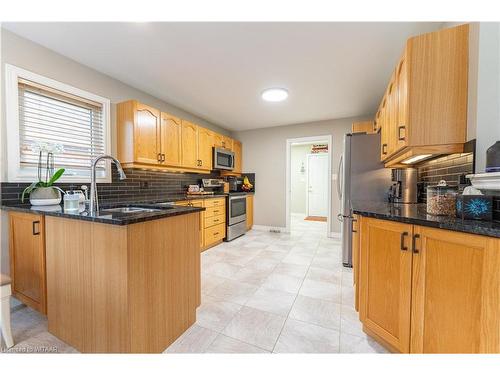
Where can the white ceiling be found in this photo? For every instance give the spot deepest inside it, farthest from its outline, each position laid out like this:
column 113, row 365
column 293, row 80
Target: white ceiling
column 218, row 70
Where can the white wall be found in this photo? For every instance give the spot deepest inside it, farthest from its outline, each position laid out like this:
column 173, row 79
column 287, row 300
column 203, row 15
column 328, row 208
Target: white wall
column 264, row 152
column 298, row 180
column 21, row 52
column 487, row 114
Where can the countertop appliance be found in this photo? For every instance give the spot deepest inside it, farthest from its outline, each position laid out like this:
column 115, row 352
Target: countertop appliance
column 361, row 177
column 223, row 159
column 236, row 216
column 404, row 185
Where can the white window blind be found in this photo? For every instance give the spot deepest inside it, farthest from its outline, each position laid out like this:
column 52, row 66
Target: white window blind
column 52, row 116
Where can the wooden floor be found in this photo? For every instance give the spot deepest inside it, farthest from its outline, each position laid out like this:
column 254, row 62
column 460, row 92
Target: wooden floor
column 315, row 218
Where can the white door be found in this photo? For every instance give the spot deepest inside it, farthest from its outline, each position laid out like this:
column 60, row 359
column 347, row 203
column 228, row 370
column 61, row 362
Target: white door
column 317, row 189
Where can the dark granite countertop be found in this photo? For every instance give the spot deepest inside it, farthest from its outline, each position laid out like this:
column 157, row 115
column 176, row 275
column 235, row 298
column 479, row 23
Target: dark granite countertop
column 416, row 214
column 163, row 210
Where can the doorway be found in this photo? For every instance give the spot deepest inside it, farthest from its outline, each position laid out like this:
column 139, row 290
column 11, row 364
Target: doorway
column 308, row 185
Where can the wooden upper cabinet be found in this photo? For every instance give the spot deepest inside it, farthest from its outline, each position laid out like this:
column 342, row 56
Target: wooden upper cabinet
column 238, row 156
column 27, row 259
column 171, row 140
column 426, row 99
column 456, row 293
column 147, row 134
column 189, row 144
column 223, row 141
column 158, row 140
column 367, row 127
column 205, row 147
column 401, row 138
column 385, row 278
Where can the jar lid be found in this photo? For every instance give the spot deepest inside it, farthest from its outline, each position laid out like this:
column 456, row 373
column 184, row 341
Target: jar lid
column 443, row 186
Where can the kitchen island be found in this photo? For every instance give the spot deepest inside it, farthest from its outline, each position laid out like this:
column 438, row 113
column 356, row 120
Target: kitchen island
column 120, row 282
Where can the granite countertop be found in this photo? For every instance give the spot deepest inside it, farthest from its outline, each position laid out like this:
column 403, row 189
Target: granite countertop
column 107, row 217
column 416, row 214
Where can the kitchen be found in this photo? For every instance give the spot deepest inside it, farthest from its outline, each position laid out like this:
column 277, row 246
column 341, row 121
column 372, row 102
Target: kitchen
column 177, row 240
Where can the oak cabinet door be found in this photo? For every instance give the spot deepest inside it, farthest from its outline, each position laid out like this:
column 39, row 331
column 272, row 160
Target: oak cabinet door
column 170, row 140
column 147, row 135
column 189, row 145
column 205, row 144
column 27, row 257
column 238, row 162
column 384, row 131
column 385, row 281
column 402, row 105
column 456, row 293
column 249, row 209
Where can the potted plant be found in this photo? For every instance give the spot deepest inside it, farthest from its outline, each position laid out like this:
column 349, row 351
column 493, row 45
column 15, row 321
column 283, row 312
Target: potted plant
column 43, row 192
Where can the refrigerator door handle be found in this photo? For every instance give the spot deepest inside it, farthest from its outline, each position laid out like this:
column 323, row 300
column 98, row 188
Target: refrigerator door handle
column 339, row 174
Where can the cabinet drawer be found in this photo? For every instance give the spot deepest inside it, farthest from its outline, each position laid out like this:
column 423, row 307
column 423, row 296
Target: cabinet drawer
column 215, row 211
column 214, row 220
column 217, row 202
column 215, row 234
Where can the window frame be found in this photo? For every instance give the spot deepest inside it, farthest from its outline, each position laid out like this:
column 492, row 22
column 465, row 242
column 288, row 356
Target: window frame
column 16, row 173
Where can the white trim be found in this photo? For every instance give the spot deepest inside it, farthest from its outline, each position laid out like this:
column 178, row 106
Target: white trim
column 288, row 184
column 336, row 235
column 12, row 75
column 485, row 181
column 267, row 228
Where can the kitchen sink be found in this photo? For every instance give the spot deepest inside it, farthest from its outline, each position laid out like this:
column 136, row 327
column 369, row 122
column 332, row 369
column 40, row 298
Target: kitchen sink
column 131, row 210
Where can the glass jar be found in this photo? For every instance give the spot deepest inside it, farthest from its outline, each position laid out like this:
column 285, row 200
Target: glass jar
column 441, row 199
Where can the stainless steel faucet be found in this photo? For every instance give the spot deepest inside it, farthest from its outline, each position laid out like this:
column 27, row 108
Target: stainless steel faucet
column 94, row 199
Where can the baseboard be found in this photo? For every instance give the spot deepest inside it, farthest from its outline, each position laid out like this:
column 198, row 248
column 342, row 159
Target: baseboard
column 267, row 228
column 336, row 235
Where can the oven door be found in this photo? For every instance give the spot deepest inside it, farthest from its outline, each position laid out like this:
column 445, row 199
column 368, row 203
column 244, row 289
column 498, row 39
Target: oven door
column 237, row 209
column 223, row 159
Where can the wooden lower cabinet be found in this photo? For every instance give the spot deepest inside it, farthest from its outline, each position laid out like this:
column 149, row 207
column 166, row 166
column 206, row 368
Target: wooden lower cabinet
column 385, row 281
column 249, row 210
column 440, row 295
column 27, row 259
column 122, row 289
column 455, row 293
column 214, row 230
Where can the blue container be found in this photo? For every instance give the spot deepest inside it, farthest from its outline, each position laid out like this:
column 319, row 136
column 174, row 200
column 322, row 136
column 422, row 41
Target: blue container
column 475, row 207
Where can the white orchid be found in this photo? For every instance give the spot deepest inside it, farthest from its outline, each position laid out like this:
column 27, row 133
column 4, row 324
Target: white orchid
column 54, row 148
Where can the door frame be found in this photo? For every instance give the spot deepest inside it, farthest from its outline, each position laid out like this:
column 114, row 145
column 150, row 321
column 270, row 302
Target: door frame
column 308, row 159
column 288, row 183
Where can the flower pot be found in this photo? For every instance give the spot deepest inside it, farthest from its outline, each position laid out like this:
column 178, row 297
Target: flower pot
column 45, row 196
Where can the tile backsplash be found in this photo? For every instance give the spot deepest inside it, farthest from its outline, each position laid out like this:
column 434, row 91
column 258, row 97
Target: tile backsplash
column 448, row 168
column 140, row 185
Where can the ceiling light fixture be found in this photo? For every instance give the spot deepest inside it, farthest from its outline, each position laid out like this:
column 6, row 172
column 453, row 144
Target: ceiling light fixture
column 274, row 95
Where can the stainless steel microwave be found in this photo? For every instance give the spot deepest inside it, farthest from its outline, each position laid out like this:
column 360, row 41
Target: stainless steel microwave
column 223, row 159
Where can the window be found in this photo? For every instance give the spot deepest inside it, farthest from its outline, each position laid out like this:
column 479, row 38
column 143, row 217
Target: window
column 41, row 110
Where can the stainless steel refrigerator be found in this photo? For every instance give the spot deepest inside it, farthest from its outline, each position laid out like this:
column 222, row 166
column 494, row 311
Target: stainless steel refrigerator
column 361, row 177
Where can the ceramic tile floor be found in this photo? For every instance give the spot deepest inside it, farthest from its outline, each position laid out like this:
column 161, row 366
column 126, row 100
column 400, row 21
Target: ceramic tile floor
column 261, row 293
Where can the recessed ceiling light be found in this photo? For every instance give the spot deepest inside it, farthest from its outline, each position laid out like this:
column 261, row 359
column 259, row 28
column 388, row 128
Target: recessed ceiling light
column 274, row 95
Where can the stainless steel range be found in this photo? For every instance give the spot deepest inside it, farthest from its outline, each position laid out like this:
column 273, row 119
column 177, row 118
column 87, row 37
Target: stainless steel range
column 236, row 220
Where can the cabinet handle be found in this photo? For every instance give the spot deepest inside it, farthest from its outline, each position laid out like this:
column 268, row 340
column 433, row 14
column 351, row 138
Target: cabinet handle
column 384, row 149
column 162, row 157
column 414, row 245
column 158, row 157
column 403, row 247
column 352, row 226
column 216, row 233
column 401, row 137
column 35, row 228
column 216, row 220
